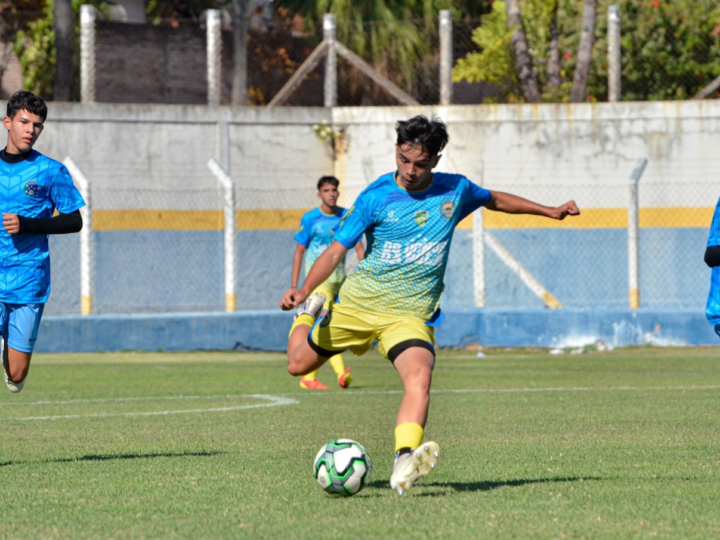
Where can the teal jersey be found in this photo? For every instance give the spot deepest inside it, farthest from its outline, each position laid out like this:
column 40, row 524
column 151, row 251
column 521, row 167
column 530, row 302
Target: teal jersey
column 34, row 188
column 409, row 235
column 315, row 234
column 712, row 308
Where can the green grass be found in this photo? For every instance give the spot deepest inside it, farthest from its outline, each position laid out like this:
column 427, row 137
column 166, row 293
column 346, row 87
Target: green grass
column 602, row 445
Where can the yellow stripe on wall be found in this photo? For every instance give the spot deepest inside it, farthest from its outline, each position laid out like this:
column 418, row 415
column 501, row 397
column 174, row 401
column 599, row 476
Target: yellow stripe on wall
column 212, row 220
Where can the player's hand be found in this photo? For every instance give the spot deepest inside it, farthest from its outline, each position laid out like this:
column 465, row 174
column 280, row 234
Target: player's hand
column 293, row 297
column 11, row 222
column 567, row 209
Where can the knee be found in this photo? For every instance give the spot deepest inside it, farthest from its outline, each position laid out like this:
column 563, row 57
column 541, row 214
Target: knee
column 17, row 374
column 295, row 367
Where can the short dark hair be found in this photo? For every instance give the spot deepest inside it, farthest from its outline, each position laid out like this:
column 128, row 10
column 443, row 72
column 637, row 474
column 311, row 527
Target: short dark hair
column 328, row 180
column 431, row 134
column 23, row 99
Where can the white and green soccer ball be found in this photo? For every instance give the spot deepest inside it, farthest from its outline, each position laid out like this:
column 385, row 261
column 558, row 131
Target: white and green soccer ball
column 342, row 467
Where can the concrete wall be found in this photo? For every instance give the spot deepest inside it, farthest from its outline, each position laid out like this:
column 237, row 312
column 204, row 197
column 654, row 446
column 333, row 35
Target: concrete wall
column 152, row 159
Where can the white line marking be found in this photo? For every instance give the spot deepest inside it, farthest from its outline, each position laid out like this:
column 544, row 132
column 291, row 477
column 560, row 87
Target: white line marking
column 274, row 401
column 130, row 399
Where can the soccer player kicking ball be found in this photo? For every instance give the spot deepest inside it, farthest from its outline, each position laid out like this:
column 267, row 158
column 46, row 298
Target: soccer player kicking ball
column 33, row 187
column 409, row 217
column 313, row 237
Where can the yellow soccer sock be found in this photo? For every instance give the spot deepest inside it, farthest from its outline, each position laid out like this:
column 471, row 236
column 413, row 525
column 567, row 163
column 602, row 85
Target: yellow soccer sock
column 311, row 376
column 408, row 435
column 305, row 319
column 337, row 364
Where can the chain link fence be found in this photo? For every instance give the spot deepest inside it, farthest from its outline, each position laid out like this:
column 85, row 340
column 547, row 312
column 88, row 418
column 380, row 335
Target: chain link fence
column 165, row 61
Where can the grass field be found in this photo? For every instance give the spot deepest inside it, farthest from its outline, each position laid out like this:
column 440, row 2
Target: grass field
column 612, row 445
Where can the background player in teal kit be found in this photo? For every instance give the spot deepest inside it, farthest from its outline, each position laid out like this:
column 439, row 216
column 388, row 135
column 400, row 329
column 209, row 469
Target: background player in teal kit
column 712, row 259
column 408, row 217
column 32, row 188
column 313, row 237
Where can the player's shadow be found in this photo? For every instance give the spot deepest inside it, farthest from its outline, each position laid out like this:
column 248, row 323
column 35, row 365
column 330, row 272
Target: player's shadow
column 487, row 485
column 151, row 455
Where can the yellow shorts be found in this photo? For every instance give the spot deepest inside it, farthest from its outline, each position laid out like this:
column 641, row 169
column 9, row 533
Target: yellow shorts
column 345, row 327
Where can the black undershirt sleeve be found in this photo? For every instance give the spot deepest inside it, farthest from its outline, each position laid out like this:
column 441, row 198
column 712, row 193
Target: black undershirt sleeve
column 60, row 224
column 712, row 256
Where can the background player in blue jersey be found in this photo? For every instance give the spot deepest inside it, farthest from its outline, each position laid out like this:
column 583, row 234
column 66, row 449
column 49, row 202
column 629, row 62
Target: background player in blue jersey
column 408, row 217
column 712, row 259
column 32, row 187
column 313, row 237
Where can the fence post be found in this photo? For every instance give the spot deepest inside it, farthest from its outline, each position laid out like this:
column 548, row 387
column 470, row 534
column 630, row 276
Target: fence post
column 633, row 235
column 446, row 57
column 229, row 229
column 87, row 53
column 214, row 49
column 614, row 56
column 329, row 30
column 86, row 243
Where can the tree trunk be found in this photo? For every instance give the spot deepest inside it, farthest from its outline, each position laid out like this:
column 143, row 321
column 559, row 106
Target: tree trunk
column 240, row 36
column 553, row 69
column 523, row 60
column 63, row 50
column 584, row 57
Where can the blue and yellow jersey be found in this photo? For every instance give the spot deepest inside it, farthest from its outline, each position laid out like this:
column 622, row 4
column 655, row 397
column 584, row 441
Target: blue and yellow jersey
column 315, row 234
column 712, row 309
column 33, row 188
column 409, row 235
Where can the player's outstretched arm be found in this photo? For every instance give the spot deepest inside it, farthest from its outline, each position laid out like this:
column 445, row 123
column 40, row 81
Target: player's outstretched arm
column 320, row 271
column 512, row 204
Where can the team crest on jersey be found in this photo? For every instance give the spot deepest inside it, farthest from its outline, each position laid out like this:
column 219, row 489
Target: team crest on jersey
column 447, row 208
column 421, row 217
column 32, row 189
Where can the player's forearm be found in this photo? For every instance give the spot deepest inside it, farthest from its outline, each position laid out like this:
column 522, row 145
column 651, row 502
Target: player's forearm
column 324, row 266
column 512, row 204
column 297, row 264
column 60, row 224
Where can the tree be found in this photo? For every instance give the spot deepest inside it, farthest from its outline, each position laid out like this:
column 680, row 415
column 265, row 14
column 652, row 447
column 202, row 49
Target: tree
column 35, row 46
column 670, row 49
column 523, row 60
column 579, row 87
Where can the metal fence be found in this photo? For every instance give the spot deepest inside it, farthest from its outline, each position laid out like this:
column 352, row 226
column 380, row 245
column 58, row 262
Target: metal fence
column 169, row 61
column 624, row 251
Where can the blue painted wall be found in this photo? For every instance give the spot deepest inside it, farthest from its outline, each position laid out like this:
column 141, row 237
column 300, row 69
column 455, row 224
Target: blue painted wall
column 182, row 271
column 267, row 330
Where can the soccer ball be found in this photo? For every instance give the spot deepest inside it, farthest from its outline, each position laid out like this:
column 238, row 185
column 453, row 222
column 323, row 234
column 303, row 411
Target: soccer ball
column 342, row 467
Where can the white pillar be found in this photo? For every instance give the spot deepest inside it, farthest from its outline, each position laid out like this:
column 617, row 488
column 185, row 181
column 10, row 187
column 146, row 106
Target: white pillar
column 229, row 237
column 446, row 57
column 614, row 54
column 329, row 28
column 633, row 236
column 86, row 243
column 87, row 53
column 214, row 49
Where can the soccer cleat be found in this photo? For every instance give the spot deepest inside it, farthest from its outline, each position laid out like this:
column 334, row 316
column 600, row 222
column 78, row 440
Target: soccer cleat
column 408, row 468
column 345, row 378
column 312, row 384
column 312, row 306
column 13, row 386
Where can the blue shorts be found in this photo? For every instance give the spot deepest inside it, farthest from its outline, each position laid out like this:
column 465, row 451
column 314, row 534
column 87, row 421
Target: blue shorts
column 19, row 325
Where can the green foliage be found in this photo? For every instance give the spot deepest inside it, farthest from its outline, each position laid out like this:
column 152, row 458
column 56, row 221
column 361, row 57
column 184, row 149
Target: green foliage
column 35, row 46
column 670, row 50
column 399, row 38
